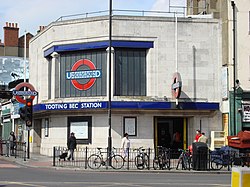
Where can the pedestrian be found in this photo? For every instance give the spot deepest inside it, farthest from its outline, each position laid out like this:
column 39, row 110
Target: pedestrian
column 176, row 140
column 71, row 145
column 12, row 142
column 203, row 138
column 197, row 136
column 125, row 145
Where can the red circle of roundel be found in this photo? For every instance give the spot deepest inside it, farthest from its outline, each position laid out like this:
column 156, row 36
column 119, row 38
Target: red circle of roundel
column 91, row 81
column 176, row 92
column 21, row 85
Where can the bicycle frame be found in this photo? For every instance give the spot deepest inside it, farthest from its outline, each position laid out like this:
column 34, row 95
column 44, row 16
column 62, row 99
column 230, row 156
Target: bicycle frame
column 184, row 159
column 141, row 159
column 162, row 160
column 105, row 161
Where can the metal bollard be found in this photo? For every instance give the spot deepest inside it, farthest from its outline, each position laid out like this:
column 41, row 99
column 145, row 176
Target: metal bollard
column 54, row 156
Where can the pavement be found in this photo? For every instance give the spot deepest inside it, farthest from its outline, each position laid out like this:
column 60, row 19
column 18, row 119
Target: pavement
column 42, row 161
column 35, row 160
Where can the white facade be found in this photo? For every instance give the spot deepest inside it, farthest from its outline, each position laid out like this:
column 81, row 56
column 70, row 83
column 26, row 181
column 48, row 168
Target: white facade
column 242, row 42
column 198, row 59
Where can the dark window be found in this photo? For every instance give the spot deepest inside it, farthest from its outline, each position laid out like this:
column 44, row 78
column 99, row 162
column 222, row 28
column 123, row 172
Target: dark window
column 82, row 127
column 130, row 72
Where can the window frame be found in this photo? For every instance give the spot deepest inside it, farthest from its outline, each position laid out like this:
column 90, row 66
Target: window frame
column 132, row 125
column 87, row 119
column 130, row 72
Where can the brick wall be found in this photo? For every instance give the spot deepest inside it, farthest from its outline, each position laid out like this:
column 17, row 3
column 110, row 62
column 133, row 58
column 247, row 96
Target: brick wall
column 11, row 32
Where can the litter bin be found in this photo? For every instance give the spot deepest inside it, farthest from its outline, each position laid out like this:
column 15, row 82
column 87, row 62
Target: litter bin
column 200, row 154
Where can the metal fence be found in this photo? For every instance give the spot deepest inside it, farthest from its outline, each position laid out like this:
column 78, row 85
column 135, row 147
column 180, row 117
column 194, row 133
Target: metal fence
column 180, row 11
column 175, row 159
column 18, row 151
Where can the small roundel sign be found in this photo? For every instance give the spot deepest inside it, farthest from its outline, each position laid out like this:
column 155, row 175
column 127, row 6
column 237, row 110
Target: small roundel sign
column 18, row 93
column 91, row 73
column 176, row 85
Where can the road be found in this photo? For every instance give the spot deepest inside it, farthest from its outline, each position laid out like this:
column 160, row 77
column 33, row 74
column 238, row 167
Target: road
column 12, row 175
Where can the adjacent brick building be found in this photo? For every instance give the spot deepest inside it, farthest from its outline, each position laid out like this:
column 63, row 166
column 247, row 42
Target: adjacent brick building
column 13, row 45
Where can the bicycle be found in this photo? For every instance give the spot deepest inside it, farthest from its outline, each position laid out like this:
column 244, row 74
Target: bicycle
column 162, row 160
column 185, row 159
column 220, row 159
column 96, row 160
column 141, row 159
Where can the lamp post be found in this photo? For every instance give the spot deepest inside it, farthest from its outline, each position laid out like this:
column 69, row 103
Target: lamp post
column 234, row 68
column 109, row 81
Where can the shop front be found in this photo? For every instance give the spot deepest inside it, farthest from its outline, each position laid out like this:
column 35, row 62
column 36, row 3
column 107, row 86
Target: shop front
column 149, row 124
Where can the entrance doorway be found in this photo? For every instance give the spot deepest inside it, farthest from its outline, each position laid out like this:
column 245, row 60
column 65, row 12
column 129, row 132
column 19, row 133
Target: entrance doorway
column 170, row 132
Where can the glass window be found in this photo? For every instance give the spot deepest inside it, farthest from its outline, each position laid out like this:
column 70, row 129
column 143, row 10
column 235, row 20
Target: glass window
column 130, row 126
column 46, row 127
column 130, row 72
column 69, row 60
column 82, row 128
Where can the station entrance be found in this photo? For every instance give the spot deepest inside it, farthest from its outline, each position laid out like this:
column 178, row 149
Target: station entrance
column 170, row 132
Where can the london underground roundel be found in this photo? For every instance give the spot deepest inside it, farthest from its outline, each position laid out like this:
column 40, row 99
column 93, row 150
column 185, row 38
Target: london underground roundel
column 91, row 74
column 31, row 93
column 176, row 86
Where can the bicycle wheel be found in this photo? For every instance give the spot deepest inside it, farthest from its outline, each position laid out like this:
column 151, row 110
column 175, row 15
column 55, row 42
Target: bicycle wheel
column 178, row 163
column 216, row 164
column 184, row 163
column 117, row 162
column 156, row 164
column 190, row 160
column 94, row 161
column 145, row 160
column 166, row 164
column 139, row 162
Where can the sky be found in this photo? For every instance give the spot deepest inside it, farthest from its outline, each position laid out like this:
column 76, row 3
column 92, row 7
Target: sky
column 30, row 14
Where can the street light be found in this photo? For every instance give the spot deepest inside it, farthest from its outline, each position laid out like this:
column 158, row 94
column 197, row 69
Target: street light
column 234, row 68
column 109, row 81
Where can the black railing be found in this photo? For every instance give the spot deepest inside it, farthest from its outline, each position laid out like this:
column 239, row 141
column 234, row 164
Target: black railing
column 148, row 159
column 18, row 150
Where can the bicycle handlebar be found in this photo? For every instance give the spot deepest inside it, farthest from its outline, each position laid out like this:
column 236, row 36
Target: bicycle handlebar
column 183, row 150
column 139, row 149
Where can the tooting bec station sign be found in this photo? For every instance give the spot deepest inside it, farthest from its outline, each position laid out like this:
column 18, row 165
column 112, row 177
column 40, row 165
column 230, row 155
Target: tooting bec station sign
column 18, row 93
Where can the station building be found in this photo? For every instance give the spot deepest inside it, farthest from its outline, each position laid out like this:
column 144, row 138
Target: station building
column 165, row 77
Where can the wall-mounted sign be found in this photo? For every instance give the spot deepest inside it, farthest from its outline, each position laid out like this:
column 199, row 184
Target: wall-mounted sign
column 18, row 93
column 176, row 86
column 224, row 83
column 130, row 126
column 92, row 73
column 71, row 106
column 246, row 113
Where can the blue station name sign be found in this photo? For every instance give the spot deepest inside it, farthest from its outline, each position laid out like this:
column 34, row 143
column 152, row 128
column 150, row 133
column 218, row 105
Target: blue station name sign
column 71, row 106
column 125, row 105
